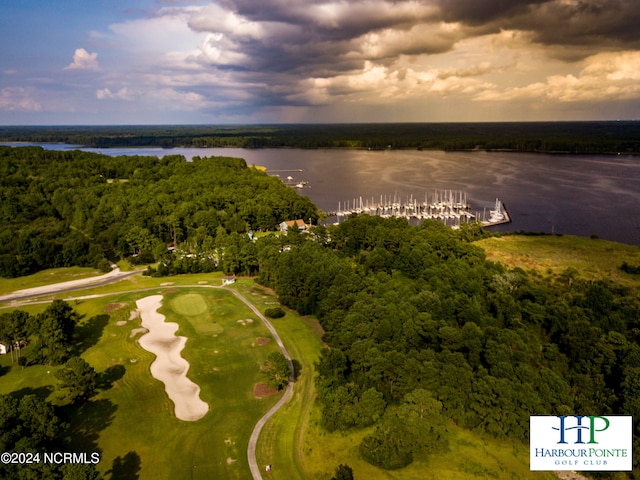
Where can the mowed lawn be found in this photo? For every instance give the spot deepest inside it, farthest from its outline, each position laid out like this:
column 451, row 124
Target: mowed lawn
column 132, row 423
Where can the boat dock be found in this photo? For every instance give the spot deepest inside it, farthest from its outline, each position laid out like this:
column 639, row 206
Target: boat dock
column 446, row 206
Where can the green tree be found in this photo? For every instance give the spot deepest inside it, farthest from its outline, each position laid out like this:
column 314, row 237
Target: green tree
column 78, row 378
column 343, row 472
column 54, row 330
column 276, row 371
column 389, row 446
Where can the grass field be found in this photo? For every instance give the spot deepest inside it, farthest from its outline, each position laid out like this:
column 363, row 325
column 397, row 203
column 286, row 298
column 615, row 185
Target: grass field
column 132, row 423
column 594, row 259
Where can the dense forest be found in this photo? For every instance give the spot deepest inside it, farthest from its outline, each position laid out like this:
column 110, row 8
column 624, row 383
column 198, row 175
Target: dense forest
column 77, row 208
column 422, row 330
column 566, row 137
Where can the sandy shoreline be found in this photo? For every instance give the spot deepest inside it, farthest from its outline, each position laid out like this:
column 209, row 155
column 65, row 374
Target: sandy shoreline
column 169, row 366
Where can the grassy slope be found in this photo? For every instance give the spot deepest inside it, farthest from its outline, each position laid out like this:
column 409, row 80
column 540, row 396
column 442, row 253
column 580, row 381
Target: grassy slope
column 594, row 259
column 298, row 448
column 45, row 277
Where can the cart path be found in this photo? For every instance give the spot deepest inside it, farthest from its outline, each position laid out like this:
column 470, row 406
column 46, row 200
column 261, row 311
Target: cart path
column 253, row 440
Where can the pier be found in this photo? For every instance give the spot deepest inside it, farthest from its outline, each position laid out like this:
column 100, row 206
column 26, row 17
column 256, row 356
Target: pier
column 289, row 181
column 446, row 206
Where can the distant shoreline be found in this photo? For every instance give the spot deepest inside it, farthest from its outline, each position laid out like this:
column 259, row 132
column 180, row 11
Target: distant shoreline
column 591, row 137
column 409, row 149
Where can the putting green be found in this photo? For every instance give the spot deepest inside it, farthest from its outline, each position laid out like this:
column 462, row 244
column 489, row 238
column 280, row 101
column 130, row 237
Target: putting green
column 190, row 304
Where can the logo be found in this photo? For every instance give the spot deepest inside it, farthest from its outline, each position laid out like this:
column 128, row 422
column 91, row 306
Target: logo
column 581, row 442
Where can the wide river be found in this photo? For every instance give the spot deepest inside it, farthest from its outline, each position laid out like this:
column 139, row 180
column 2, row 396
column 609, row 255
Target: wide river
column 569, row 194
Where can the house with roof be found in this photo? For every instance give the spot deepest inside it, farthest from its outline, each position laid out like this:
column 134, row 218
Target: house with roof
column 228, row 280
column 299, row 224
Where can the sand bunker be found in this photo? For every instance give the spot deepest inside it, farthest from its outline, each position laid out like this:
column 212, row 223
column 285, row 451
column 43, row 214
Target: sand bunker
column 169, row 366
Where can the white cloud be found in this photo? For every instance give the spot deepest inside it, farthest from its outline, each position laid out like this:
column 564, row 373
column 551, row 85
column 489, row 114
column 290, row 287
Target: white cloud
column 154, row 37
column 216, row 19
column 420, row 39
column 122, row 94
column 17, row 99
column 178, row 100
column 83, row 60
column 217, row 49
column 604, row 77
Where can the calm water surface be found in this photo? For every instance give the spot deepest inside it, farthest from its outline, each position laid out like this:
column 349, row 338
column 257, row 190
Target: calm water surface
column 570, row 194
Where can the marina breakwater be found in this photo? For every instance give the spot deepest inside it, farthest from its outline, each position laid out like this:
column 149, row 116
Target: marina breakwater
column 446, row 206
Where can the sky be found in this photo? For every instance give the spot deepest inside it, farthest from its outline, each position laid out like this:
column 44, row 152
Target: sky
column 84, row 62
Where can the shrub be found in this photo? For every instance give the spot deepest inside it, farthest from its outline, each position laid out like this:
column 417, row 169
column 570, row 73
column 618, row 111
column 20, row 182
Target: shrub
column 274, row 312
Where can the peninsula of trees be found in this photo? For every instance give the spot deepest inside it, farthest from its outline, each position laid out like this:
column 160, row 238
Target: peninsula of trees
column 60, row 209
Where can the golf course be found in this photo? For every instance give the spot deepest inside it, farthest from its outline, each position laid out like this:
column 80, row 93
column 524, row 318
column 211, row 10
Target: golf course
column 132, row 422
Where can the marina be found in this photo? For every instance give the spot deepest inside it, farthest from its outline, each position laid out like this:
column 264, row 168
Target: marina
column 581, row 195
column 446, row 206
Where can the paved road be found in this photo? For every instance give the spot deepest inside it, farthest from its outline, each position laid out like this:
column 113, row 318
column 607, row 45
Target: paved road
column 111, row 277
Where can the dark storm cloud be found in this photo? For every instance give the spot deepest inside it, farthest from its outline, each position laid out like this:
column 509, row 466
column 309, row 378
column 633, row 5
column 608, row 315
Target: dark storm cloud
column 576, row 27
column 319, row 38
column 304, row 52
column 483, row 12
column 331, row 36
column 602, row 24
column 337, row 20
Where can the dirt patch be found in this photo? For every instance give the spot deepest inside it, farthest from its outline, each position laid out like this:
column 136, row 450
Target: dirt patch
column 112, row 307
column 262, row 390
column 263, row 340
column 121, row 323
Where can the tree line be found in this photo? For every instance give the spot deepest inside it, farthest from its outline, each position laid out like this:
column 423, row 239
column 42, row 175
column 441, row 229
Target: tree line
column 565, row 137
column 77, row 208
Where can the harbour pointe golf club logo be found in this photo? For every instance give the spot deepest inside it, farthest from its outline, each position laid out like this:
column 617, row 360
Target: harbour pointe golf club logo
column 596, row 443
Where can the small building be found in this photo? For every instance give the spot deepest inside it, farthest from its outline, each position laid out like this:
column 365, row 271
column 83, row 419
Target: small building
column 286, row 225
column 228, row 280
